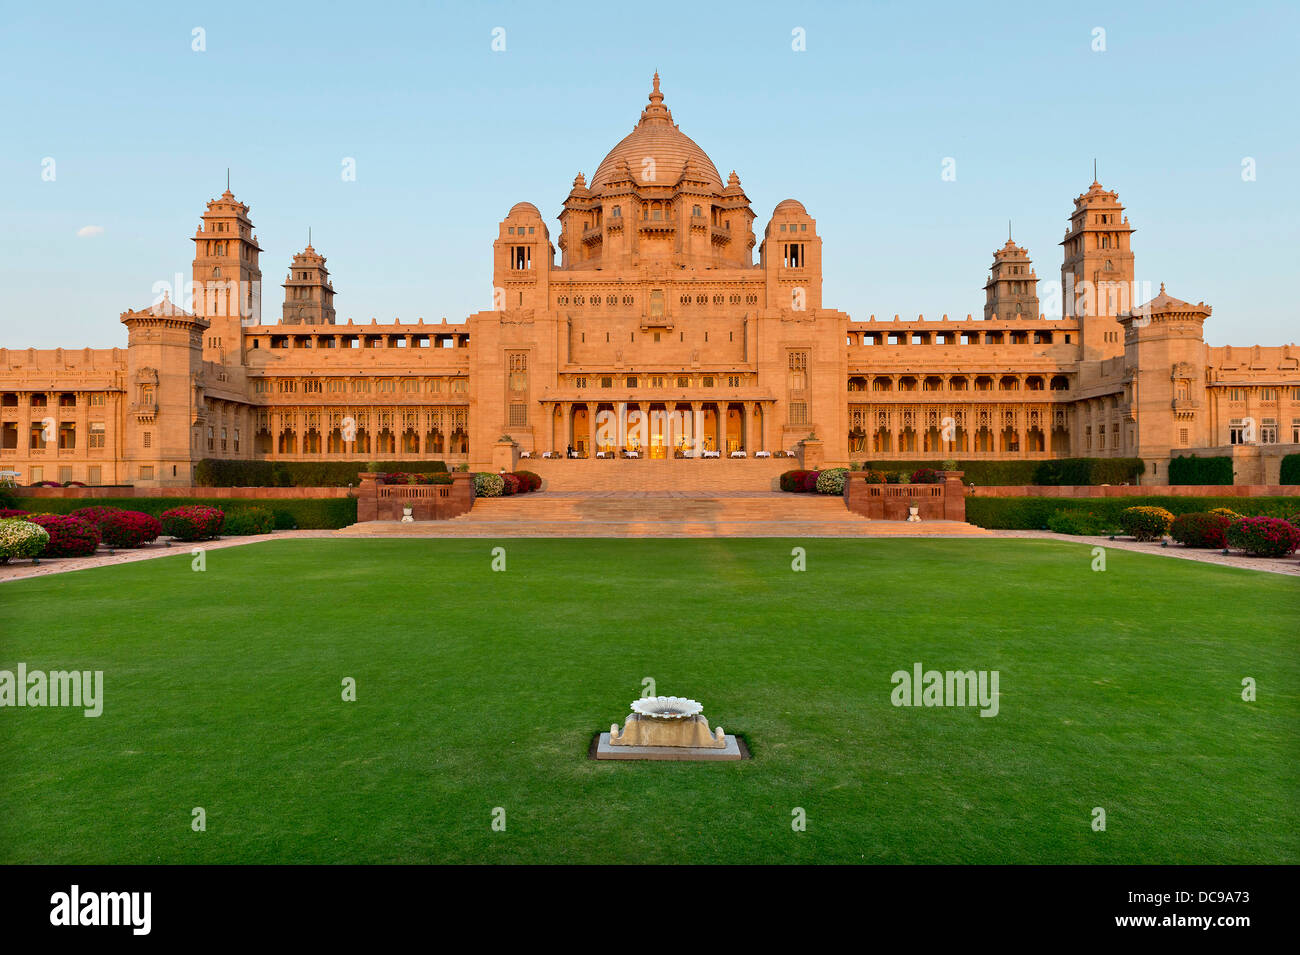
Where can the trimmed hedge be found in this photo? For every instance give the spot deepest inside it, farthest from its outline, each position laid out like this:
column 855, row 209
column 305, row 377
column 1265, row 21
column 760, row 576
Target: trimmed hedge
column 246, row 521
column 1080, row 523
column 1063, row 471
column 1189, row 470
column 324, row 513
column 1031, row 513
column 215, row 472
column 1290, row 469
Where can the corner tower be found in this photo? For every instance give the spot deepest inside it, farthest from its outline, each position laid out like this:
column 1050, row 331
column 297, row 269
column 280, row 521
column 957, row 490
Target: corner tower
column 1097, row 273
column 227, row 278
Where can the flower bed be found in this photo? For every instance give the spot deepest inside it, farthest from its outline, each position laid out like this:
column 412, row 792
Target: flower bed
column 1145, row 523
column 1201, row 529
column 21, row 539
column 69, row 536
column 1263, row 536
column 192, row 522
column 927, row 476
column 7, row 512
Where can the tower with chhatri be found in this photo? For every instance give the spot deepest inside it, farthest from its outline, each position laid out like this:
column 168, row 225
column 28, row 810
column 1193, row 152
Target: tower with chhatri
column 1012, row 289
column 1097, row 271
column 308, row 292
column 227, row 289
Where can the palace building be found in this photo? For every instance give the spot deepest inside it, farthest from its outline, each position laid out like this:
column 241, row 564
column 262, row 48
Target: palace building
column 666, row 299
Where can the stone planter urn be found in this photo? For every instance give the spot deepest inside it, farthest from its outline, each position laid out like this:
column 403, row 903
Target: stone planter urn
column 913, row 513
column 406, row 514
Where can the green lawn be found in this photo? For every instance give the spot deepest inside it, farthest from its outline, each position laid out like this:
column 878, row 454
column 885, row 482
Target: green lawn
column 478, row 690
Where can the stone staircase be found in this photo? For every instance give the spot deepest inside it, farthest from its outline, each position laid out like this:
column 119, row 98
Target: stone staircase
column 658, row 513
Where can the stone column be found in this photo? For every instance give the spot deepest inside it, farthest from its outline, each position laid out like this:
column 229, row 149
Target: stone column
column 747, row 434
column 697, row 426
column 591, row 429
column 722, row 426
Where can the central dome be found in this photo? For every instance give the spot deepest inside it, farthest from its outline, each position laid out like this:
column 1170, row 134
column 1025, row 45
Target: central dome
column 656, row 138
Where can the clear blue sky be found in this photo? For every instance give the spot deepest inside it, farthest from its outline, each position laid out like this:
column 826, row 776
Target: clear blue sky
column 448, row 134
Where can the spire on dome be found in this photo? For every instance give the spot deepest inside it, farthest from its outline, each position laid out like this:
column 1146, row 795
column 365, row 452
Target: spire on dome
column 656, row 111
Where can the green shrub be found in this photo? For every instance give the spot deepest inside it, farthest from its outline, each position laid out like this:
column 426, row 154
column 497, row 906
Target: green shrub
column 831, row 481
column 247, row 521
column 1290, row 469
column 1200, row 529
column 1189, row 470
column 214, row 472
column 1031, row 513
column 1082, row 523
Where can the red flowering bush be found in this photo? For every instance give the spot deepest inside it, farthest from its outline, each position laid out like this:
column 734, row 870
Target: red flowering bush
column 12, row 512
column 1263, row 536
column 810, row 481
column 69, row 536
column 512, row 483
column 192, row 522
column 793, row 480
column 128, row 529
column 95, row 514
column 874, row 477
column 926, row 476
column 531, row 480
column 1200, row 529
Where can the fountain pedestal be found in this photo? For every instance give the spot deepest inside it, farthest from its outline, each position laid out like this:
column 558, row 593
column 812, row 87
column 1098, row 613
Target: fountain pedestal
column 667, row 727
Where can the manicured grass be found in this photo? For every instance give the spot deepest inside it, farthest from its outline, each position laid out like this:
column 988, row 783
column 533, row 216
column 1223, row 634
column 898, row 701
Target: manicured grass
column 478, row 690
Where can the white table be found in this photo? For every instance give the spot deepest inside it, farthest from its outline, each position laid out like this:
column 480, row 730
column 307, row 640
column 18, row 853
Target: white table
column 762, row 454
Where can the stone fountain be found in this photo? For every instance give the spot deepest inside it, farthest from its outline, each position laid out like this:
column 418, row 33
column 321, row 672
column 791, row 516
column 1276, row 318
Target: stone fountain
column 667, row 727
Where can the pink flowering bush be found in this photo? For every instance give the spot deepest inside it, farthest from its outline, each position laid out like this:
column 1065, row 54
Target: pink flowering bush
column 96, row 513
column 1263, row 536
column 6, row 512
column 128, row 529
column 192, row 522
column 69, row 536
